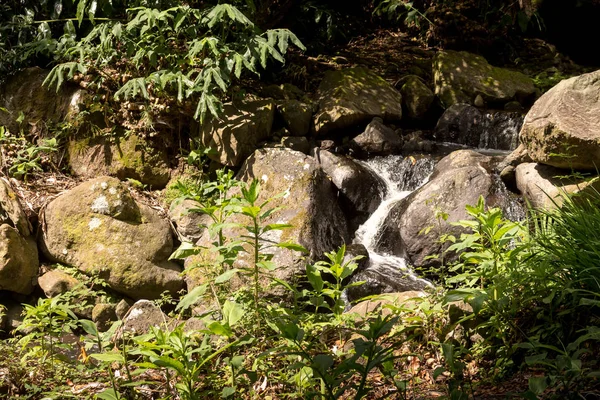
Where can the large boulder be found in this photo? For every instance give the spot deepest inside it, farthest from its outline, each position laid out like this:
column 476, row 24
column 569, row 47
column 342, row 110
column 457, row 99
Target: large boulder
column 414, row 225
column 130, row 157
column 417, row 98
column 465, row 124
column 355, row 96
column 99, row 228
column 545, row 187
column 24, row 93
column 308, row 202
column 18, row 261
column 460, row 77
column 361, row 190
column 237, row 134
column 562, row 129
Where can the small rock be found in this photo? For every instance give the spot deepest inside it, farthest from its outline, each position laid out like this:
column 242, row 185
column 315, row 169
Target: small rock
column 103, row 314
column 55, row 282
column 478, row 102
column 123, row 307
column 143, row 315
column 296, row 143
column 377, row 139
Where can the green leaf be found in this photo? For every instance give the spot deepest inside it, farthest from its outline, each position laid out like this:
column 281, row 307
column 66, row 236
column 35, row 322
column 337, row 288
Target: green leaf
column 537, row 384
column 108, row 394
column 292, row 246
column 185, row 250
column 226, row 276
column 109, row 357
column 219, row 329
column 168, row 362
column 191, row 298
column 89, row 327
column 227, row 391
column 232, row 312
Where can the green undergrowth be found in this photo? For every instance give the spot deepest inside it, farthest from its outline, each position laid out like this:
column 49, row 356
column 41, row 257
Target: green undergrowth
column 522, row 297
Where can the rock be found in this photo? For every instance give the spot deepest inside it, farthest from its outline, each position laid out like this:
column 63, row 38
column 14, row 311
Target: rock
column 458, row 180
column 544, row 186
column 415, row 143
column 123, row 307
column 562, row 129
column 366, row 307
column 354, row 96
column 361, row 190
column 11, row 212
column 513, row 106
column 377, row 139
column 417, row 98
column 131, row 157
column 190, row 224
column 237, row 134
column 296, row 143
column 141, row 317
column 104, row 314
column 99, row 228
column 297, row 116
column 318, row 223
column 357, row 250
column 14, row 316
column 507, row 167
column 40, row 105
column 285, row 91
column 460, row 77
column 18, row 261
column 478, row 102
column 466, row 124
column 461, row 123
column 55, row 282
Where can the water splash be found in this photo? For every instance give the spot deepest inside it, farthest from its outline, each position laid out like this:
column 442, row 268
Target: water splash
column 386, row 272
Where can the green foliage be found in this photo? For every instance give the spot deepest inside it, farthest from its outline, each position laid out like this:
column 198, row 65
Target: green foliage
column 22, row 158
column 180, row 52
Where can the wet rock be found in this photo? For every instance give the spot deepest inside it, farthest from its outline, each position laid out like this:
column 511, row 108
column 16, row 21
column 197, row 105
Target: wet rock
column 414, row 225
column 99, row 228
column 354, row 96
column 377, row 139
column 361, row 190
column 460, row 77
column 466, row 124
column 562, row 128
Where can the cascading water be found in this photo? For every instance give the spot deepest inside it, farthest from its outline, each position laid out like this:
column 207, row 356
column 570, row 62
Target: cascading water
column 500, row 130
column 385, row 272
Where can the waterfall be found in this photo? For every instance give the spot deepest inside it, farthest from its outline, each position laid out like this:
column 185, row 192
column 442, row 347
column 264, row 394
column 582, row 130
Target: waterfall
column 386, row 272
column 500, row 130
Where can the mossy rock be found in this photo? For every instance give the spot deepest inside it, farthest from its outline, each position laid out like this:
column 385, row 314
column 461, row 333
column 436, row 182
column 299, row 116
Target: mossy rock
column 417, row 98
column 459, row 77
column 129, row 157
column 99, row 228
column 354, row 96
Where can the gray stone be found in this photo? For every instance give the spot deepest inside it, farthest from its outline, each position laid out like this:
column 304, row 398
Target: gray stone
column 189, row 221
column 123, row 307
column 143, row 315
column 11, row 212
column 377, row 139
column 296, row 143
column 104, row 314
